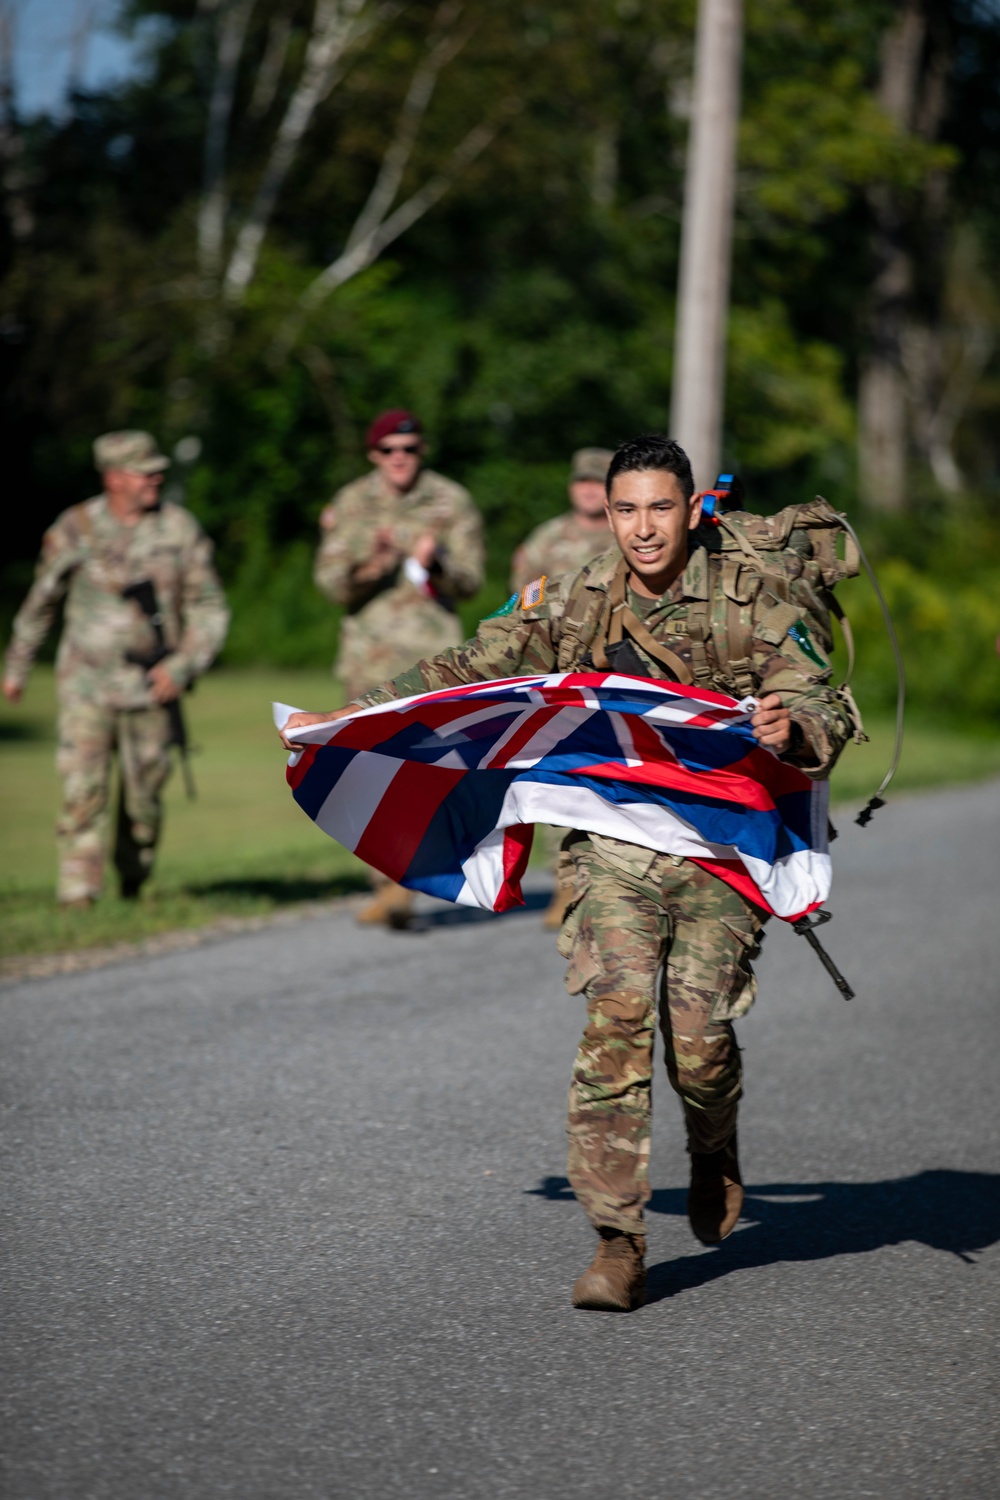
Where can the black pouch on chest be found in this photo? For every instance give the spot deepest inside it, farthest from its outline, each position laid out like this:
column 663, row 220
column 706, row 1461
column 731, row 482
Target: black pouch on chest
column 624, row 658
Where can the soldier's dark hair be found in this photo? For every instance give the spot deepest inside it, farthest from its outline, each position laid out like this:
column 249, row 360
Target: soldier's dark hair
column 652, row 451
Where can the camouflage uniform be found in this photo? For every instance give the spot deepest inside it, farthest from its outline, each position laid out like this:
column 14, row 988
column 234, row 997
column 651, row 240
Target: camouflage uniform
column 392, row 620
column 88, row 556
column 557, row 547
column 635, row 910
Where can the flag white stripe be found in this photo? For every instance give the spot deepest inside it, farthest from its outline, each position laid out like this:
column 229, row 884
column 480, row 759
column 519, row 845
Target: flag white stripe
column 354, row 799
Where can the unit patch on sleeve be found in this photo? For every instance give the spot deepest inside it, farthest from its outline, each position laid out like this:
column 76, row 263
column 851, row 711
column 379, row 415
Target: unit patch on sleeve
column 533, row 594
column 800, row 635
column 505, row 609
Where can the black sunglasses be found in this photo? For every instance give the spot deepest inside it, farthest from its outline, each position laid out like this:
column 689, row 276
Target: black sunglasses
column 402, row 448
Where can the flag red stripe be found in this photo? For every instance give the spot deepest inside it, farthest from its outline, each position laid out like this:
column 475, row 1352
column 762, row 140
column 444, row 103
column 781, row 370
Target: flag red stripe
column 516, row 848
column 533, row 722
column 295, row 775
column 398, row 824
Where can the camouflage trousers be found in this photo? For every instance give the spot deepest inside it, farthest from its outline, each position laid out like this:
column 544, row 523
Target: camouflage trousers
column 89, row 738
column 666, row 926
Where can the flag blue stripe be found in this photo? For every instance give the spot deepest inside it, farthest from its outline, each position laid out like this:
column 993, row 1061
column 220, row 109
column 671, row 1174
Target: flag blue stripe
column 461, row 820
column 329, row 765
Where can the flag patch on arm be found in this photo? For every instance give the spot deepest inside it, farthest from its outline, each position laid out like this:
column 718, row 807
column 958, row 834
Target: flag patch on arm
column 533, row 594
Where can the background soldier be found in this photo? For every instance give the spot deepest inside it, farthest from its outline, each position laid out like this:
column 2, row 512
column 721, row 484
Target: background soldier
column 565, row 545
column 644, row 922
column 398, row 547
column 570, row 541
column 94, row 554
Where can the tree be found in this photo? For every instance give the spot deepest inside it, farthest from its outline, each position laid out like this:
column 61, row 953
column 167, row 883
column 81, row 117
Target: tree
column 530, row 311
column 911, row 90
column 339, row 30
column 703, row 289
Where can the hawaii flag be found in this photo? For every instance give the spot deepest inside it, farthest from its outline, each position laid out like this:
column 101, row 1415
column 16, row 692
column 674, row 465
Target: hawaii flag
column 440, row 791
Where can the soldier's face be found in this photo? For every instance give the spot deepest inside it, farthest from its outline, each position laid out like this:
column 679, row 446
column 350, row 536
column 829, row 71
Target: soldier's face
column 587, row 498
column 652, row 523
column 132, row 491
column 398, row 459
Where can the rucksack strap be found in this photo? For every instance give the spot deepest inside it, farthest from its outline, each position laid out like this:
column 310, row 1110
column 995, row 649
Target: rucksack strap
column 619, row 618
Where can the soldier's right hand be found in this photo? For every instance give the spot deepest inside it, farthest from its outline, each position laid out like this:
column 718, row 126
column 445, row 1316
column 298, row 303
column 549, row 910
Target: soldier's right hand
column 302, row 721
column 12, row 690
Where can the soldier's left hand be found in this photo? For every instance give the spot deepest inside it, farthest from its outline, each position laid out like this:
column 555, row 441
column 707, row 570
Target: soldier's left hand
column 772, row 724
column 162, row 686
column 302, row 720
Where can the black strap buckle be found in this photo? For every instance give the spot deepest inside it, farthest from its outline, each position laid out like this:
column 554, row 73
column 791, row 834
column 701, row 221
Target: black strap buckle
column 806, row 927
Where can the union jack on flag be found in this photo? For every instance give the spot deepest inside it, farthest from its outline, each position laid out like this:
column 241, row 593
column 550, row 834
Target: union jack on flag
column 440, row 791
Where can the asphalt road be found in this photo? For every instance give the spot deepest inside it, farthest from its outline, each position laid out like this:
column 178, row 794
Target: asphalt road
column 285, row 1217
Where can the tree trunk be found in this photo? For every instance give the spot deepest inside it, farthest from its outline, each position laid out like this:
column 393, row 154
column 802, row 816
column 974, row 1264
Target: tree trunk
column 706, row 239
column 882, row 386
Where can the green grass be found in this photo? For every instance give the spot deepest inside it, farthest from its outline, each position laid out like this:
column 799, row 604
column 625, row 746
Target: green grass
column 244, row 849
column 241, row 849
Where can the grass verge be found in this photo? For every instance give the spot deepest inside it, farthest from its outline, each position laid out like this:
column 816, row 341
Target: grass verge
column 243, row 849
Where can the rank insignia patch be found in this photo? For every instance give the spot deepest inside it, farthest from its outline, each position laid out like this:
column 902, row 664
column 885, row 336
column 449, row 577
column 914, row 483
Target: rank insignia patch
column 533, row 594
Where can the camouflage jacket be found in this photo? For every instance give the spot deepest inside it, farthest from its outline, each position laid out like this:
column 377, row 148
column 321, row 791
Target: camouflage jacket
column 394, row 619
column 88, row 557
column 557, row 547
column 556, row 631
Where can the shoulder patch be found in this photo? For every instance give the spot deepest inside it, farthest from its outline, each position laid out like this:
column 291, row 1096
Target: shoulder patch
column 800, row 635
column 505, row 609
column 533, row 594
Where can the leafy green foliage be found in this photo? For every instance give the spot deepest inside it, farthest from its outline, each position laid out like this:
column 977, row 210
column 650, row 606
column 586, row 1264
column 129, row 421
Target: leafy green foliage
column 530, row 312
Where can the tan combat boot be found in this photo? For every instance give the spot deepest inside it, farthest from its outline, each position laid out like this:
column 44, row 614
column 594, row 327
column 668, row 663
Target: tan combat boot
column 391, row 906
column 715, row 1197
column 615, row 1281
column 562, row 895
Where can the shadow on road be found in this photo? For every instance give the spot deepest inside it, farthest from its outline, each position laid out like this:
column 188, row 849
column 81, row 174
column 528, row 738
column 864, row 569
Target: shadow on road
column 954, row 1211
column 461, row 916
column 24, row 730
column 284, row 890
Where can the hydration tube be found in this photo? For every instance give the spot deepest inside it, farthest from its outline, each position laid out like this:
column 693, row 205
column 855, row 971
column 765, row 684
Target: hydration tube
column 874, row 803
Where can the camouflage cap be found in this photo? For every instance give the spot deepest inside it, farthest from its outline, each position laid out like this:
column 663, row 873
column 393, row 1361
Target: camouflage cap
column 590, row 463
column 129, row 450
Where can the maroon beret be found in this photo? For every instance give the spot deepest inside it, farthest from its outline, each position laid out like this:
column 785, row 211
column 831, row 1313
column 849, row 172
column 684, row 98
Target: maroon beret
column 390, row 422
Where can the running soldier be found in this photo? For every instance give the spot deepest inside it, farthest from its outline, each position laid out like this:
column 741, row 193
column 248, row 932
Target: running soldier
column 398, row 548
column 642, row 921
column 104, row 557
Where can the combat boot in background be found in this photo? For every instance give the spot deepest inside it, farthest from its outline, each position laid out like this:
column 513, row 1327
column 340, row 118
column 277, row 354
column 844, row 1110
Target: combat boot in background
column 391, row 906
column 615, row 1280
column 715, row 1197
column 562, row 896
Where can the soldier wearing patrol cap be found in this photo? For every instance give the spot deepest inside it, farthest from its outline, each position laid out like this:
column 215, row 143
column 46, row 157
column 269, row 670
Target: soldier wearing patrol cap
column 398, row 547
column 565, row 545
column 572, row 540
column 113, row 696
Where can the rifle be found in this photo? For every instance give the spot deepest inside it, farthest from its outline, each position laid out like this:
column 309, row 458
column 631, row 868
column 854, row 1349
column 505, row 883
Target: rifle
column 144, row 595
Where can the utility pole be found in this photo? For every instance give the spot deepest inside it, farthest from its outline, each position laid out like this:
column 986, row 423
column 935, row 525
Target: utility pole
column 706, row 239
